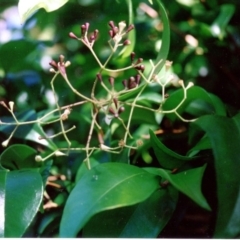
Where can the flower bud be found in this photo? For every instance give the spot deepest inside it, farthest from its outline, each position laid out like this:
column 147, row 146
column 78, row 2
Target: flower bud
column 53, row 64
column 137, row 79
column 121, row 26
column 95, row 33
column 58, row 153
column 126, row 42
column 83, row 30
column 132, row 56
column 99, row 77
column 111, row 24
column 38, row 158
column 121, row 109
column 130, row 27
column 124, row 82
column 11, row 104
column 111, row 81
column 61, row 59
column 72, row 35
column 115, row 102
column 5, row 143
column 111, row 34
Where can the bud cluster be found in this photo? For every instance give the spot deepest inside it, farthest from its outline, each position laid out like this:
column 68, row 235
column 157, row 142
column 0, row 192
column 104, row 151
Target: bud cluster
column 59, row 66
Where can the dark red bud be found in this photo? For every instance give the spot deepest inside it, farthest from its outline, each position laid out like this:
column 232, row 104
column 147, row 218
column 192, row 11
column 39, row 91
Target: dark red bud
column 142, row 68
column 124, row 82
column 111, row 34
column 83, row 30
column 92, row 38
column 132, row 55
column 96, row 33
column 131, row 83
column 137, row 78
column 127, row 42
column 115, row 30
column 53, row 64
column 99, row 77
column 120, row 110
column 138, row 61
column 115, row 102
column 111, row 81
column 111, row 24
column 72, row 35
column 110, row 110
column 130, row 27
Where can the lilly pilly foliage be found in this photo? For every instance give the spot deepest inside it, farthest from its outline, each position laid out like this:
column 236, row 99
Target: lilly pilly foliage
column 102, row 180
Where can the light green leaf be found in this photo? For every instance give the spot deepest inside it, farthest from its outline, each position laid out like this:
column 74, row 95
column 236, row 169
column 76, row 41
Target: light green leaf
column 21, row 194
column 107, row 186
column 163, row 53
column 26, row 8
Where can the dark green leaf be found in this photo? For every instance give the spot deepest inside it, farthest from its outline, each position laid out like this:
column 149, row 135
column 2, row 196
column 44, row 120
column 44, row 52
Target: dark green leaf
column 224, row 134
column 208, row 103
column 107, row 186
column 166, row 157
column 188, row 182
column 19, row 156
column 144, row 220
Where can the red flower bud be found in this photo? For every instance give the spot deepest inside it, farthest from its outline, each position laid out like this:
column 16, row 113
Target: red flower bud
column 137, row 79
column 111, row 81
column 130, row 27
column 132, row 56
column 111, row 24
column 127, row 42
column 99, row 77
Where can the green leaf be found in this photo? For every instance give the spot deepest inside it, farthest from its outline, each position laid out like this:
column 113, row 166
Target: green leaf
column 165, row 156
column 19, row 156
column 163, row 53
column 208, row 103
column 224, row 134
column 219, row 25
column 188, row 182
column 21, row 194
column 27, row 8
column 107, row 186
column 144, row 220
column 29, row 131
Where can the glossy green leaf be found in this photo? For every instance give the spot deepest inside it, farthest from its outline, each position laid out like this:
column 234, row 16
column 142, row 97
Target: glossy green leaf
column 224, row 134
column 21, row 195
column 27, row 8
column 203, row 144
column 188, row 182
column 107, row 186
column 163, row 53
column 165, row 156
column 144, row 220
column 19, row 156
column 208, row 103
column 219, row 25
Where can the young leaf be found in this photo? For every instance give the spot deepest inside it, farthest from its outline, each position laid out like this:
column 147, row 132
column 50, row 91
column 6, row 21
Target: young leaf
column 107, row 186
column 224, row 134
column 26, row 8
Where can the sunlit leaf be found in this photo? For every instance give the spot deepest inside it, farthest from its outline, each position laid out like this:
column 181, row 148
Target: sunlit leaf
column 21, row 194
column 107, row 186
column 144, row 220
column 27, row 8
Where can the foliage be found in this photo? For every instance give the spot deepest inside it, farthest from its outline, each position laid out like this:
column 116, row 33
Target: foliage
column 105, row 144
